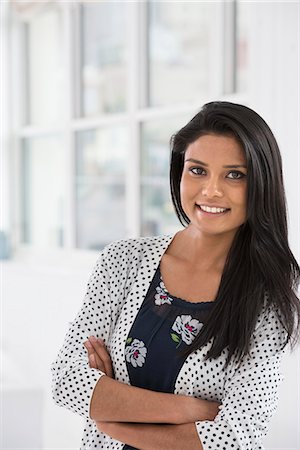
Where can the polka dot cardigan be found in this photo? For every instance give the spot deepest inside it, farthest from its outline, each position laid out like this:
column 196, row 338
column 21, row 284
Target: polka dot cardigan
column 115, row 293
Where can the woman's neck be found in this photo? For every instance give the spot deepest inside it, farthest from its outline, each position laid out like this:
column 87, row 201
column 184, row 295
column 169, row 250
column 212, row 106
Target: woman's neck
column 200, row 250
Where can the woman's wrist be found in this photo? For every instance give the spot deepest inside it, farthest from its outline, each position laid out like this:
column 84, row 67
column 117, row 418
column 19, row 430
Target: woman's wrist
column 208, row 409
column 196, row 409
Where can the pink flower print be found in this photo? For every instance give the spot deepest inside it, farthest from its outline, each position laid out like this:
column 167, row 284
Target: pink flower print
column 136, row 353
column 187, row 328
column 161, row 297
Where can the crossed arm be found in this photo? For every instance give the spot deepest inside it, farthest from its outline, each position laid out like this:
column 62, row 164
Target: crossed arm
column 143, row 418
column 154, row 437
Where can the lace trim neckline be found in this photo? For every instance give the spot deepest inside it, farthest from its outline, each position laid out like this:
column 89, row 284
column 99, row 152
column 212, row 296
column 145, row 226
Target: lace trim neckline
column 181, row 300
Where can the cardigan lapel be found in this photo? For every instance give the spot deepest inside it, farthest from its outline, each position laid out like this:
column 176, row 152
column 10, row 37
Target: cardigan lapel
column 152, row 252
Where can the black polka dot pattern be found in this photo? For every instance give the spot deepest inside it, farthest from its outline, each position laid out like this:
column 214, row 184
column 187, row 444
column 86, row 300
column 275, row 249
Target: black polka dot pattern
column 115, row 292
column 249, row 394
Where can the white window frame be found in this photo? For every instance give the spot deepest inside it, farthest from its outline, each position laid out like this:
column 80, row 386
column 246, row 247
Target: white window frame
column 136, row 114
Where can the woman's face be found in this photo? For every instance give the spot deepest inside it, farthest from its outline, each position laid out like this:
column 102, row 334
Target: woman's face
column 214, row 176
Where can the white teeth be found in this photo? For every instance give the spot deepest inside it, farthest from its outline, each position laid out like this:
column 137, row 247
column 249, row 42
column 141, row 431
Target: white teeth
column 212, row 210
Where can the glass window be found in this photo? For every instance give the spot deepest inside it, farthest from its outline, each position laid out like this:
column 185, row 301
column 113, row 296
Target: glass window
column 103, row 77
column 43, row 201
column 242, row 46
column 45, row 71
column 179, row 61
column 100, row 186
column 158, row 216
column 182, row 38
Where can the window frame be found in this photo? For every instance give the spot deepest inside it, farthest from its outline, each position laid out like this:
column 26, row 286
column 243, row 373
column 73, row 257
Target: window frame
column 136, row 114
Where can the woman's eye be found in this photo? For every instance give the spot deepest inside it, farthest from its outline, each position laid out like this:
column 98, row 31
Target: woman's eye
column 236, row 175
column 196, row 170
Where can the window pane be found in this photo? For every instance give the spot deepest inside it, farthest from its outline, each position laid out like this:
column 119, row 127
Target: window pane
column 43, row 175
column 44, row 69
column 158, row 216
column 103, row 57
column 242, row 50
column 100, row 186
column 182, row 38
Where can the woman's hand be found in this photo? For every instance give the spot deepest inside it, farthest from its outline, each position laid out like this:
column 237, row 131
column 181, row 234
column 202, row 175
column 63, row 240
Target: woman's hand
column 210, row 408
column 98, row 355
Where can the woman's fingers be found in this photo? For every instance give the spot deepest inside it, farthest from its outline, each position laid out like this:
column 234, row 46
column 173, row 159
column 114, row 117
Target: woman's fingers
column 91, row 357
column 103, row 354
column 107, row 362
column 98, row 356
column 94, row 360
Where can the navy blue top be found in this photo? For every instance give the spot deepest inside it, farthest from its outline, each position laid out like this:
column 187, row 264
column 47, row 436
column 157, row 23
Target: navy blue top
column 164, row 326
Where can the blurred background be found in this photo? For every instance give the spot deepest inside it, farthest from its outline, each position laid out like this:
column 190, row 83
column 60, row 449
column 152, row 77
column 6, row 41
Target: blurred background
column 91, row 92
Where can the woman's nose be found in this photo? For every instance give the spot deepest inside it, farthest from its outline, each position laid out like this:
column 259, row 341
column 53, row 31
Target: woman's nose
column 212, row 188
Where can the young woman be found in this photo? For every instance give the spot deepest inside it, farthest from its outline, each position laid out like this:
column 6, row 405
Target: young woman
column 179, row 341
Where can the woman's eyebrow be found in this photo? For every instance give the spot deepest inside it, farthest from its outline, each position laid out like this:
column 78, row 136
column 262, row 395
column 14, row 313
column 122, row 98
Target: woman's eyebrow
column 235, row 166
column 231, row 166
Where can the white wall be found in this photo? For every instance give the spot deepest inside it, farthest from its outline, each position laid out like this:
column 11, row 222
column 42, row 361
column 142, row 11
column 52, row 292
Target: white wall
column 275, row 94
column 274, row 90
column 41, row 297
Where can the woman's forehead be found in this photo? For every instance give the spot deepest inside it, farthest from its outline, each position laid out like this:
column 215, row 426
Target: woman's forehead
column 212, row 148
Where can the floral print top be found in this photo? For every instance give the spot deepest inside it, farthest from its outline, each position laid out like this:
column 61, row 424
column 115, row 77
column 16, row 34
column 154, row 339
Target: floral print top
column 164, row 326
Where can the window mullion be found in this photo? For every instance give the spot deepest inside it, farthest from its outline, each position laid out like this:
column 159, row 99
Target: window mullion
column 229, row 47
column 18, row 65
column 133, row 160
column 76, row 34
column 143, row 53
column 70, row 200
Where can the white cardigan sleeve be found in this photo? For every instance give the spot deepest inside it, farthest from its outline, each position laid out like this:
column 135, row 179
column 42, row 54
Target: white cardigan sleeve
column 73, row 379
column 250, row 393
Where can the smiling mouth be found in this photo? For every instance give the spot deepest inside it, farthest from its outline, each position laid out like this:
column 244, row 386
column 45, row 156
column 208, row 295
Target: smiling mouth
column 213, row 211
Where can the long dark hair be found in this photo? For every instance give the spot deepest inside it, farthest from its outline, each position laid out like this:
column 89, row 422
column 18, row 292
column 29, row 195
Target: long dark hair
column 260, row 266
